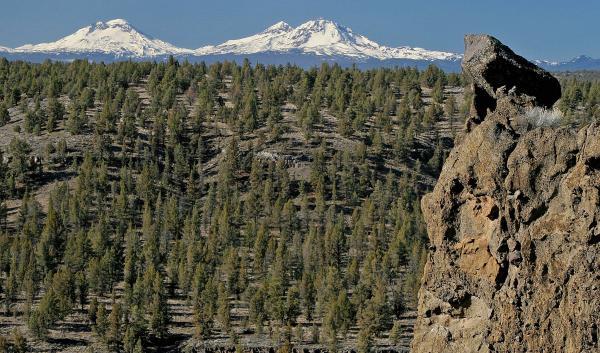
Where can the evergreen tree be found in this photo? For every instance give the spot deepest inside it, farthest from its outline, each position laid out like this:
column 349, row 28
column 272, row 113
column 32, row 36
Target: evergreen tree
column 223, row 314
column 395, row 333
column 158, row 309
column 76, row 120
column 101, row 326
column 54, row 113
column 19, row 151
column 325, row 229
column 4, row 115
column 113, row 334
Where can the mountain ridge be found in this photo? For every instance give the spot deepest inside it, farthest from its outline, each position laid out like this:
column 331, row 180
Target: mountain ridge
column 324, row 38
column 112, row 37
column 308, row 44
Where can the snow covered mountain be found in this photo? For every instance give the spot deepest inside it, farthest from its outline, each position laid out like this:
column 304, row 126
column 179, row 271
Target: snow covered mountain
column 582, row 62
column 116, row 37
column 320, row 37
column 307, row 45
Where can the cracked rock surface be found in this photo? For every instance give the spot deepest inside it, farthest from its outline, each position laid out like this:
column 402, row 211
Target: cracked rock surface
column 513, row 223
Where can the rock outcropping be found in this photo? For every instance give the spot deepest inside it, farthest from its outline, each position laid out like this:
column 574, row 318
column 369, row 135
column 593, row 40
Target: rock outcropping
column 490, row 65
column 513, row 223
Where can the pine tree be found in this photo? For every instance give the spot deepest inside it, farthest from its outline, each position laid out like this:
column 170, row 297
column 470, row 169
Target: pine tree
column 19, row 150
column 135, row 329
column 93, row 311
column 54, row 113
column 61, row 150
column 202, row 321
column 292, row 305
column 364, row 341
column 101, row 326
column 149, row 231
column 250, row 111
column 158, row 309
column 37, row 324
column 257, row 310
column 138, row 347
column 76, row 120
column 113, row 334
column 223, row 314
column 49, row 246
column 4, row 115
column 395, row 333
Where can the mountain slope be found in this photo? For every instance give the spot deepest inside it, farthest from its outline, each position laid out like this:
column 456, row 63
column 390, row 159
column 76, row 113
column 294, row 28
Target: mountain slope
column 582, row 62
column 306, row 45
column 323, row 38
column 116, row 37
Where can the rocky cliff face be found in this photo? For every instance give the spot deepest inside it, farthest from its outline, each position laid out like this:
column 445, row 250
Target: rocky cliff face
column 513, row 222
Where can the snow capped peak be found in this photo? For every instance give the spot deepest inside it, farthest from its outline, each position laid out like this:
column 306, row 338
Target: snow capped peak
column 278, row 27
column 117, row 22
column 322, row 25
column 116, row 25
column 116, row 37
column 325, row 28
column 320, row 37
column 582, row 58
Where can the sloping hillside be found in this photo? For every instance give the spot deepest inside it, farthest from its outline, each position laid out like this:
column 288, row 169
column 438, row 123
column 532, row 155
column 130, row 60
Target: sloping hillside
column 152, row 204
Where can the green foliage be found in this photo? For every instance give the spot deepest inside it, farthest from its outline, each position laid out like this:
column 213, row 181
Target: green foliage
column 4, row 115
column 101, row 322
column 292, row 193
column 19, row 151
column 55, row 112
column 395, row 333
column 580, row 101
column 76, row 120
column 158, row 309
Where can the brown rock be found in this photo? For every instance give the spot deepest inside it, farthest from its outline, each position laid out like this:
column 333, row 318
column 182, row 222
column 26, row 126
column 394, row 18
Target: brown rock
column 489, row 64
column 514, row 227
column 476, row 259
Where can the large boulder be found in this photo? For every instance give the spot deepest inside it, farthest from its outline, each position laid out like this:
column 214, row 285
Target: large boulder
column 514, row 228
column 490, row 65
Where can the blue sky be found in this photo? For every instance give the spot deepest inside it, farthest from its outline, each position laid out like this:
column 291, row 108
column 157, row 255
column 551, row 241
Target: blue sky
column 548, row 29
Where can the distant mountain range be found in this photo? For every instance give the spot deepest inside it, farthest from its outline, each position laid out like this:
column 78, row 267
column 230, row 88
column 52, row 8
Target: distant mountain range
column 307, row 45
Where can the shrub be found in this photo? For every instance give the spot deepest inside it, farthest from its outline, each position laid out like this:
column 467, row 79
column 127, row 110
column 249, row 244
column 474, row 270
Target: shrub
column 541, row 117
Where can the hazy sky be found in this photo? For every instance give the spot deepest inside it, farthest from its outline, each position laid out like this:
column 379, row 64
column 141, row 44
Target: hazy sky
column 547, row 29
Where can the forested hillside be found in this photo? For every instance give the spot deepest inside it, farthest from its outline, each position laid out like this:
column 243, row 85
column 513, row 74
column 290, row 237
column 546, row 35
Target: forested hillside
column 149, row 206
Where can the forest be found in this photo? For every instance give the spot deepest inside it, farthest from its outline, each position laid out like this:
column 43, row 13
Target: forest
column 148, row 204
